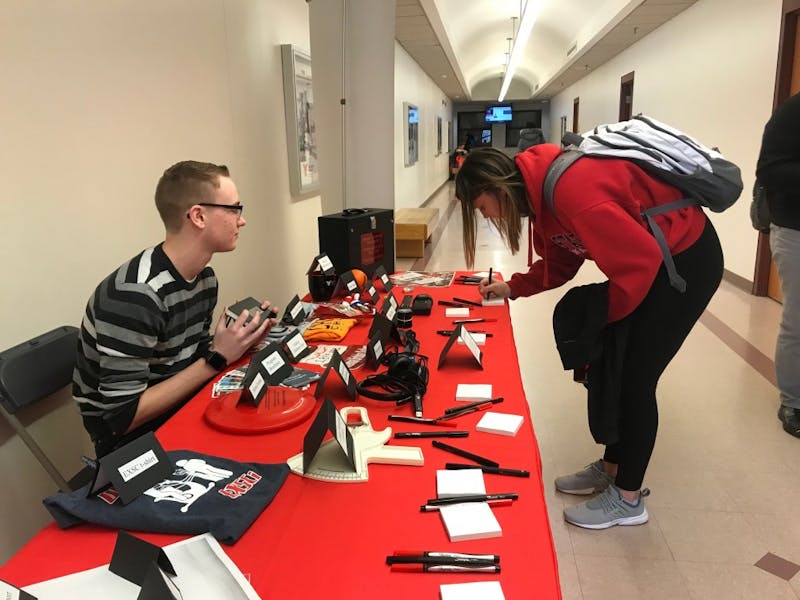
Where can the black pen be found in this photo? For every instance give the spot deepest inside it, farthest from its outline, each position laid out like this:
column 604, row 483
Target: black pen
column 449, row 303
column 447, row 568
column 450, row 332
column 470, row 302
column 410, row 419
column 490, row 275
column 472, row 498
column 454, row 409
column 463, row 453
column 442, row 555
column 431, row 434
column 490, row 470
column 437, row 558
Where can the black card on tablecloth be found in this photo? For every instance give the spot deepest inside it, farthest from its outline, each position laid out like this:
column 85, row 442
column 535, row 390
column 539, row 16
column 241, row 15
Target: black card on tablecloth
column 328, row 419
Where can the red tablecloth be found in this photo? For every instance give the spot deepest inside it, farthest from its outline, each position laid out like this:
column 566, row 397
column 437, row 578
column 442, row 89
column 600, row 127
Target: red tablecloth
column 330, row 540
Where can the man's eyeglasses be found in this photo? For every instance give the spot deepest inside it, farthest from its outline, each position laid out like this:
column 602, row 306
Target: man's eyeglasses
column 238, row 208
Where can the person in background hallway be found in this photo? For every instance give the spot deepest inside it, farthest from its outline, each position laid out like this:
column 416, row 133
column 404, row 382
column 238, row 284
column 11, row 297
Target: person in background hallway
column 470, row 142
column 599, row 203
column 529, row 136
column 144, row 346
column 778, row 169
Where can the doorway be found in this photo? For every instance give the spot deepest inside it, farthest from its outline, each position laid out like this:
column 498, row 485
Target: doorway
column 787, row 83
column 626, row 97
column 576, row 104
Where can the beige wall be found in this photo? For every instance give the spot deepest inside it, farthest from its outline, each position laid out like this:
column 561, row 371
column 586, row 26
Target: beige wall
column 413, row 184
column 97, row 99
column 709, row 71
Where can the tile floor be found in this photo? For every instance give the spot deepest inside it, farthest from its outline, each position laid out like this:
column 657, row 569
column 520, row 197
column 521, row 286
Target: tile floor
column 724, row 477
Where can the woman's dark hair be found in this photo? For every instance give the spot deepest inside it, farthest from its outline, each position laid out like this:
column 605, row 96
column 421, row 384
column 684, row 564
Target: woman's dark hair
column 488, row 170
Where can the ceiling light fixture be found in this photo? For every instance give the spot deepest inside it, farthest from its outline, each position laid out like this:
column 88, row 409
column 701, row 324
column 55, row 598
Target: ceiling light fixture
column 531, row 11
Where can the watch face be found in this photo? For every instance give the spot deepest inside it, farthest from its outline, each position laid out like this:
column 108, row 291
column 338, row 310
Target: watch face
column 216, row 360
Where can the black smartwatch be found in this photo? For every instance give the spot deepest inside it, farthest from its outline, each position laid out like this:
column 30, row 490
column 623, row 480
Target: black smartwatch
column 216, row 360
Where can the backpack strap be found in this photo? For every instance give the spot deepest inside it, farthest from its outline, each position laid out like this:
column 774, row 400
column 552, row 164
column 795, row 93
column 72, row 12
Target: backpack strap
column 678, row 282
column 556, row 169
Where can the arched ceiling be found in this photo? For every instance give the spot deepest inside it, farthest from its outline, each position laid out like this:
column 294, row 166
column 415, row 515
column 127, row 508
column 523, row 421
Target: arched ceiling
column 465, row 46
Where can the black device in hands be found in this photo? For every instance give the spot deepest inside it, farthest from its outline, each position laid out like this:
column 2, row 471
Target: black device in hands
column 252, row 306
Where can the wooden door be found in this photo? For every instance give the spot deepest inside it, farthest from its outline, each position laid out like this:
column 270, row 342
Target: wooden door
column 575, row 110
column 626, row 97
column 765, row 280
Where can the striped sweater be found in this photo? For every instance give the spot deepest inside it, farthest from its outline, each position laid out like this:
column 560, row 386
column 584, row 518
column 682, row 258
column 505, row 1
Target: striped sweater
column 143, row 324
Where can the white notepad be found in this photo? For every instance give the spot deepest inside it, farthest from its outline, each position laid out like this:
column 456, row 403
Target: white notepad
column 459, row 482
column 470, row 521
column 472, row 392
column 502, row 423
column 493, row 301
column 474, row 590
column 456, row 312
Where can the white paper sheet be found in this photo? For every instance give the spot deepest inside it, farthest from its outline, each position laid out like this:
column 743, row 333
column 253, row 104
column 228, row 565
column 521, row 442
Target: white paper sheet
column 203, row 568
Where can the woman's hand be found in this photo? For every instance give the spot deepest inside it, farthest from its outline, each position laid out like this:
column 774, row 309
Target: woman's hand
column 496, row 289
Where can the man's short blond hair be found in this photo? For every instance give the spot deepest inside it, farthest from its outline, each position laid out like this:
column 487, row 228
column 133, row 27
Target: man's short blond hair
column 184, row 184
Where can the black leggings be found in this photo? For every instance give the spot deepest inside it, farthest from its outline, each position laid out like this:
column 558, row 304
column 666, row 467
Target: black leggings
column 658, row 327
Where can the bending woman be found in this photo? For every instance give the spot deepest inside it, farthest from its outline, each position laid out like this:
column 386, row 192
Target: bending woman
column 599, row 203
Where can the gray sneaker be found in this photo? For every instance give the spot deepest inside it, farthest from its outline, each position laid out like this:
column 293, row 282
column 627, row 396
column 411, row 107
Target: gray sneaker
column 591, row 480
column 606, row 510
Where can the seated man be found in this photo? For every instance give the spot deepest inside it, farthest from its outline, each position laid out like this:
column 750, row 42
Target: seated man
column 144, row 347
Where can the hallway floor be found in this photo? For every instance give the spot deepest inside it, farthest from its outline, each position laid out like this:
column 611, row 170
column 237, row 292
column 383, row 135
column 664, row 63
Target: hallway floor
column 724, row 476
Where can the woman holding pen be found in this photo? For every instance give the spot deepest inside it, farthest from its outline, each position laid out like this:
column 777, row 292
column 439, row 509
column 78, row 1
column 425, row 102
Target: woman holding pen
column 599, row 204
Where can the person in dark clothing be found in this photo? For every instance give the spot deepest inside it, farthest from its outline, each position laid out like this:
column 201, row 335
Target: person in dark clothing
column 600, row 201
column 529, row 136
column 778, row 170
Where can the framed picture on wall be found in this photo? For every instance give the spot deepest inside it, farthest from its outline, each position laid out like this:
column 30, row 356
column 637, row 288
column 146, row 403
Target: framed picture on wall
column 411, row 133
column 301, row 140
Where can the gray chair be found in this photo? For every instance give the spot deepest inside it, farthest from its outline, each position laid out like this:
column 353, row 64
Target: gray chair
column 32, row 371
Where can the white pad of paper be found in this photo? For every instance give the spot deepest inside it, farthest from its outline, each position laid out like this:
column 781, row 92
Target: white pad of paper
column 480, row 339
column 470, row 521
column 504, row 424
column 493, row 301
column 475, row 590
column 459, row 482
column 472, row 392
column 456, row 312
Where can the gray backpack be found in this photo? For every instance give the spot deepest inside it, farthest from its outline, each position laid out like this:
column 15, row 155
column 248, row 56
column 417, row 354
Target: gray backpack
column 702, row 173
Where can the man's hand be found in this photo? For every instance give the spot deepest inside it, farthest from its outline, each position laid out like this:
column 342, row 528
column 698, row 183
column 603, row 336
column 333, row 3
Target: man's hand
column 233, row 341
column 496, row 289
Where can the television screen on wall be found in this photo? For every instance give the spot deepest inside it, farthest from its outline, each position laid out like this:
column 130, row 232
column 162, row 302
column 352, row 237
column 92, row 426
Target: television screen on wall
column 497, row 114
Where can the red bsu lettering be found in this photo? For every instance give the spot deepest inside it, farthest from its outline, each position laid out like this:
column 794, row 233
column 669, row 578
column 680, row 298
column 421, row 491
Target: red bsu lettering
column 241, row 485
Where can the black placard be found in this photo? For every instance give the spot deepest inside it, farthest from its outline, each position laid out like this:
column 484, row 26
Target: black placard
column 376, row 348
column 133, row 556
column 337, row 365
column 346, row 285
column 328, row 419
column 268, row 366
column 295, row 312
column 158, row 585
column 380, row 275
column 132, row 469
column 371, row 294
column 389, row 308
column 322, row 263
column 296, row 346
column 469, row 342
column 381, row 323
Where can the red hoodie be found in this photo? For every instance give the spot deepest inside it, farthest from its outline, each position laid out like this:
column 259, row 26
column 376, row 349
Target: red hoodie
column 599, row 203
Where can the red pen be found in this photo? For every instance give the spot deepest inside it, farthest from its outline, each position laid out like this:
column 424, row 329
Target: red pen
column 426, row 568
column 464, row 411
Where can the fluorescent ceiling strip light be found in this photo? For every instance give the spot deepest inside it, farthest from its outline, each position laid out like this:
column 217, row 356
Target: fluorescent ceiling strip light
column 532, row 10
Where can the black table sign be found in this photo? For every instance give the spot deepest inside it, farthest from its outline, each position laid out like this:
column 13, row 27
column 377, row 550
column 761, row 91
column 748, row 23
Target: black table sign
column 328, row 419
column 132, row 469
column 469, row 342
column 380, row 275
column 268, row 366
column 337, row 365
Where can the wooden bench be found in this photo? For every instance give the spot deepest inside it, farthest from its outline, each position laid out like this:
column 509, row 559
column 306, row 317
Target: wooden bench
column 412, row 228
